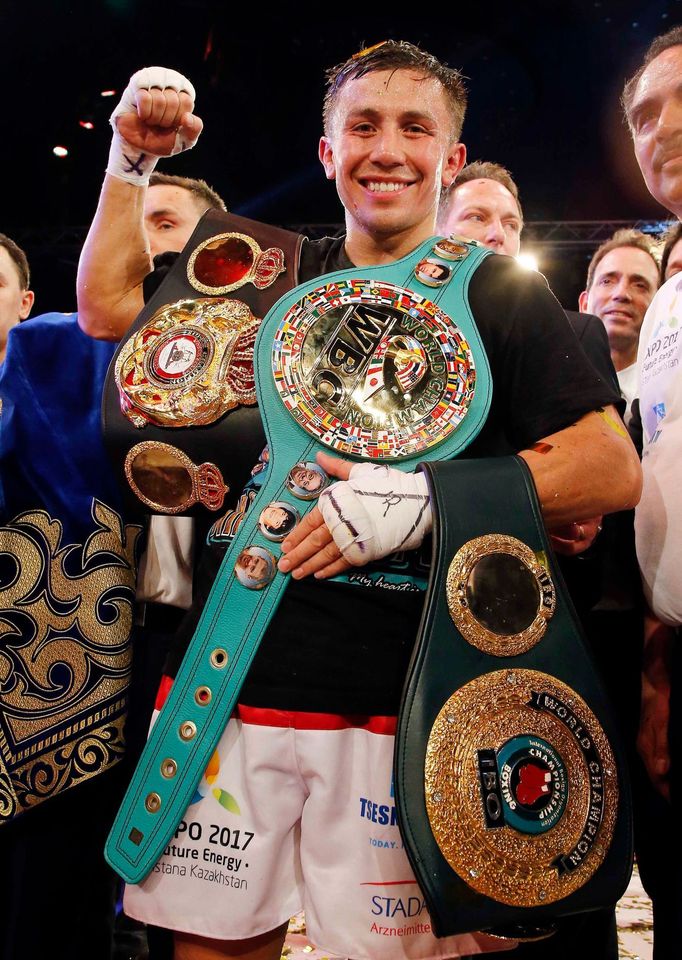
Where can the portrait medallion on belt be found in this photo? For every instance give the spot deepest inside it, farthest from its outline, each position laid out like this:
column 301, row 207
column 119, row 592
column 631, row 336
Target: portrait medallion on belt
column 372, row 369
column 189, row 364
column 500, row 594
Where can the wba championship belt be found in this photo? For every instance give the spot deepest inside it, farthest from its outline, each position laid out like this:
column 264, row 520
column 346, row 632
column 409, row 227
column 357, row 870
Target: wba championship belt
column 511, row 789
column 188, row 361
column 376, row 363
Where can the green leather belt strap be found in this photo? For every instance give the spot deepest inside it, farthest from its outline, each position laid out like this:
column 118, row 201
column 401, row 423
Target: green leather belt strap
column 235, row 618
column 510, row 783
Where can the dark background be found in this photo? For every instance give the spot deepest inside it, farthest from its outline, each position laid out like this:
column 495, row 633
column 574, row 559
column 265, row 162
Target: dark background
column 544, row 81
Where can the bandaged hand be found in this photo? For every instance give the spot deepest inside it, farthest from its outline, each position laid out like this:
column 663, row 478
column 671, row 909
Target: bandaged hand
column 376, row 511
column 153, row 119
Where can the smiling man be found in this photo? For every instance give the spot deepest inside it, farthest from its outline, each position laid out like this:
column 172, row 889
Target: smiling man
column 314, row 738
column 622, row 278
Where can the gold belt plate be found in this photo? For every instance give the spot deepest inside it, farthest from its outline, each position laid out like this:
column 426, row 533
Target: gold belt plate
column 521, row 787
column 189, row 364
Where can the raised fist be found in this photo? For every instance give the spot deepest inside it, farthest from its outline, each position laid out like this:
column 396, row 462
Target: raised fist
column 153, row 119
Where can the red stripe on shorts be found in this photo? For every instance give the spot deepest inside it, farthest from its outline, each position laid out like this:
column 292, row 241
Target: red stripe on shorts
column 299, row 720
column 265, row 717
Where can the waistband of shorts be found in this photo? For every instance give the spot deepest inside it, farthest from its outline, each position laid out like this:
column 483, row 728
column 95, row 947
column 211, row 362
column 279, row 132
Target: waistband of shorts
column 298, row 719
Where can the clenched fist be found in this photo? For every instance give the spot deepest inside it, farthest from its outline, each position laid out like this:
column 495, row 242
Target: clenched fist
column 153, row 119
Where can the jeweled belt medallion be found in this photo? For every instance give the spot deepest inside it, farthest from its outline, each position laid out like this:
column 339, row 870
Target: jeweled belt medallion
column 372, row 369
column 227, row 261
column 521, row 787
column 189, row 364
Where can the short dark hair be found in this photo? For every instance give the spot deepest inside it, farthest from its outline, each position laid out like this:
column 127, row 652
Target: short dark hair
column 622, row 238
column 19, row 258
column 397, row 55
column 670, row 238
column 482, row 170
column 204, row 196
column 673, row 38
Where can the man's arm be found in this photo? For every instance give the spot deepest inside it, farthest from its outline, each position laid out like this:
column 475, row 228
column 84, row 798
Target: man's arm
column 652, row 740
column 154, row 119
column 586, row 470
column 114, row 262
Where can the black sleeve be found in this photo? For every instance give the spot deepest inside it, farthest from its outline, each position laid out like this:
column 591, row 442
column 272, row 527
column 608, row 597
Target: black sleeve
column 591, row 334
column 542, row 380
column 162, row 265
column 635, row 428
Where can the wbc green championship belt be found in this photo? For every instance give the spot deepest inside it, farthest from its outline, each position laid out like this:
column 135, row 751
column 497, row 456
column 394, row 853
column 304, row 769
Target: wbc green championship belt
column 374, row 363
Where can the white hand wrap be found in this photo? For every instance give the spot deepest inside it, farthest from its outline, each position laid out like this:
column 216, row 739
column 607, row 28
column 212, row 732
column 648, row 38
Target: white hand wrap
column 125, row 161
column 377, row 511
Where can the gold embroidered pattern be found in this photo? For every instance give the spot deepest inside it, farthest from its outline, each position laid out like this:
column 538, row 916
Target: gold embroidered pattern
column 65, row 621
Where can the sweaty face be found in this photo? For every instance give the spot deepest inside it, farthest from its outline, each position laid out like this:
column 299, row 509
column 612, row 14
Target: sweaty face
column 484, row 210
column 674, row 264
column 15, row 303
column 390, row 151
column 170, row 216
column 656, row 120
column 624, row 284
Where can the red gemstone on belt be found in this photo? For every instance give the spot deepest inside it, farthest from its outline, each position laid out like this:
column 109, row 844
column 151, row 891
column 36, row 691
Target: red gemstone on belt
column 226, row 263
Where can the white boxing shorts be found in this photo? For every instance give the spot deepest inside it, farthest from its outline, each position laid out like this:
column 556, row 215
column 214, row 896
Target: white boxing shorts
column 296, row 811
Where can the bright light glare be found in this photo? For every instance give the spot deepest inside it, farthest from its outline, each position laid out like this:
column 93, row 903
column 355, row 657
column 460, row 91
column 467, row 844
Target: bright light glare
column 86, row 124
column 60, row 151
column 528, row 261
column 108, row 93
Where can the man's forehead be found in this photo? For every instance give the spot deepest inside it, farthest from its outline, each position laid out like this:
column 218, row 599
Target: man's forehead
column 414, row 89
column 484, row 191
column 627, row 260
column 166, row 198
column 9, row 271
column 665, row 69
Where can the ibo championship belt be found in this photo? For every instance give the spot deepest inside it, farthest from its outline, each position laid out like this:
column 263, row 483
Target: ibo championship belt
column 511, row 785
column 376, row 363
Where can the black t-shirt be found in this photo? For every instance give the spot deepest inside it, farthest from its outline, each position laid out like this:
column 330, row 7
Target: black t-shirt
column 341, row 648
